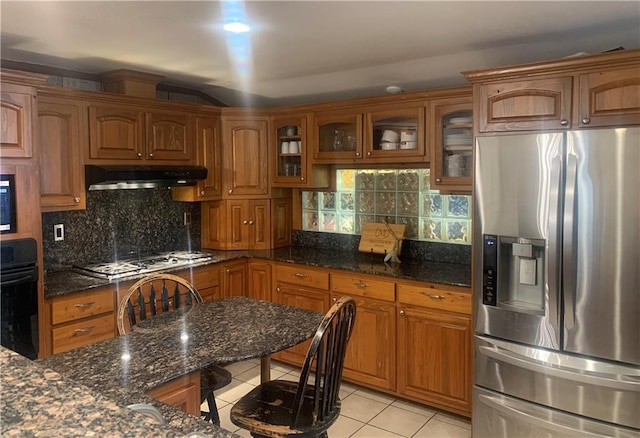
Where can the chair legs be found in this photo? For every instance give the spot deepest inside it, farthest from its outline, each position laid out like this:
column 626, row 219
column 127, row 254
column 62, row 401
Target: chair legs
column 212, row 415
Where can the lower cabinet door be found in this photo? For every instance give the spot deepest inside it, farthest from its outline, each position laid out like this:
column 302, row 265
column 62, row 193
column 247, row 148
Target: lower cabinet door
column 182, row 393
column 317, row 300
column 434, row 358
column 83, row 333
column 371, row 358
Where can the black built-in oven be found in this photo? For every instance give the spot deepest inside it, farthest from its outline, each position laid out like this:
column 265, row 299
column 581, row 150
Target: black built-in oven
column 19, row 300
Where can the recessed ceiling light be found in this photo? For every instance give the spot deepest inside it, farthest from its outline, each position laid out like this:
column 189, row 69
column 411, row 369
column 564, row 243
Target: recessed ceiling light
column 236, row 27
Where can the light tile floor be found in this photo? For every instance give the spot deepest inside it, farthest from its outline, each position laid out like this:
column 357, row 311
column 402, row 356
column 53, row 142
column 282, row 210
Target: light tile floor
column 364, row 414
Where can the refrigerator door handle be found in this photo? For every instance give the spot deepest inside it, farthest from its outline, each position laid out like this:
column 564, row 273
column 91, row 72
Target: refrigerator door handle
column 518, row 411
column 569, row 240
column 590, row 378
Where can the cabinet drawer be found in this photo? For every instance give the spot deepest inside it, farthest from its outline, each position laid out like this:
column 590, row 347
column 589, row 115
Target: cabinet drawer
column 302, row 276
column 202, row 277
column 83, row 333
column 82, row 305
column 363, row 287
column 434, row 298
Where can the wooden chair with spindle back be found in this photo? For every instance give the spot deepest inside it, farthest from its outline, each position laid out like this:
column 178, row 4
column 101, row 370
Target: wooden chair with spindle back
column 159, row 293
column 282, row 408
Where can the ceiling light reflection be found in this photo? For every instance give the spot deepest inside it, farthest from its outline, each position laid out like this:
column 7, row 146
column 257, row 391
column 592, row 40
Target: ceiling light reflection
column 236, row 27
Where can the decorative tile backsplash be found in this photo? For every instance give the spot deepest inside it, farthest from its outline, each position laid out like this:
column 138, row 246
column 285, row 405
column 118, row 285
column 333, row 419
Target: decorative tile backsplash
column 395, row 196
column 120, row 224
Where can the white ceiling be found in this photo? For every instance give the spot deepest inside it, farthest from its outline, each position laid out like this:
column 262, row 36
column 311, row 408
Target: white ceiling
column 310, row 51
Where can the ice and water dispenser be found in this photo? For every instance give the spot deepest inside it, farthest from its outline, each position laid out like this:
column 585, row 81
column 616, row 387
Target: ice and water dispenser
column 513, row 273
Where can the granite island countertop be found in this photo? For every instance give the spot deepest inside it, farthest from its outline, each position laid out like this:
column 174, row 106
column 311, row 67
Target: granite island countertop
column 39, row 402
column 174, row 344
column 67, row 281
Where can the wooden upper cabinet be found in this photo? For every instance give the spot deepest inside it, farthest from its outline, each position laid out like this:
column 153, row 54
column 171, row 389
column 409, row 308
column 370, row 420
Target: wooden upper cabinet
column 524, row 105
column 337, row 135
column 404, row 124
column 236, row 224
column 609, row 98
column 16, row 118
column 62, row 132
column 281, row 211
column 245, row 157
column 169, row 135
column 118, row 132
column 209, row 155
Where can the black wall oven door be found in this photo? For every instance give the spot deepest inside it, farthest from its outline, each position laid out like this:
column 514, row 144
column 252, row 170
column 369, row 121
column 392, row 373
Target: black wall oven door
column 19, row 296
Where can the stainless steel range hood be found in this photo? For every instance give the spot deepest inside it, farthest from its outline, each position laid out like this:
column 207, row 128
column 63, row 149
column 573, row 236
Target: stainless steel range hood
column 142, row 177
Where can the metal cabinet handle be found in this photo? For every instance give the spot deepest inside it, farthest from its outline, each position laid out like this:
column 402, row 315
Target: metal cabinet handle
column 228, row 271
column 150, row 155
column 84, row 305
column 334, row 299
column 438, row 180
column 277, row 289
column 244, row 222
column 586, row 120
column 357, row 154
column 362, row 285
column 368, row 154
column 139, row 154
column 230, row 191
column 202, row 193
column 300, row 275
column 76, row 199
column 84, row 330
column 302, row 178
column 401, row 312
column 435, row 297
column 564, row 122
column 250, row 222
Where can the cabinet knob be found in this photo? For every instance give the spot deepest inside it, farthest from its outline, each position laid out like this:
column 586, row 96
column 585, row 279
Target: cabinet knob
column 368, row 154
column 277, row 289
column 230, row 191
column 244, row 222
column 76, row 200
column 250, row 222
column 302, row 178
column 586, row 120
column 401, row 312
column 357, row 154
column 139, row 154
column 564, row 122
column 438, row 180
column 334, row 299
column 228, row 271
column 150, row 155
column 202, row 193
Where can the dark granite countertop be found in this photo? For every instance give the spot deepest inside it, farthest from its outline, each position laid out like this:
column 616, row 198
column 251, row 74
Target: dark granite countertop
column 39, row 402
column 68, row 281
column 122, row 369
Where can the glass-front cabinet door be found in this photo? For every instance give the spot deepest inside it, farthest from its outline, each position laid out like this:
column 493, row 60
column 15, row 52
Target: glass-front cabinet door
column 337, row 136
column 395, row 133
column 452, row 144
column 290, row 144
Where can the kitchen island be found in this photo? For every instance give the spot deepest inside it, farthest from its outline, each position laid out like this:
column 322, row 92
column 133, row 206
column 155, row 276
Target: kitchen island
column 124, row 368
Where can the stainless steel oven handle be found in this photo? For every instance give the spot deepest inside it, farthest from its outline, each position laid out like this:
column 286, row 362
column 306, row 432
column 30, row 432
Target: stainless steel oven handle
column 518, row 412
column 575, row 375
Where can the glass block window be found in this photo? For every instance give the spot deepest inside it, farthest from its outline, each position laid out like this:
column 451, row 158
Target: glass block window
column 400, row 196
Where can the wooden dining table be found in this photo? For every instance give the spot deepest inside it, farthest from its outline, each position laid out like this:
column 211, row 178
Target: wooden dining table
column 178, row 343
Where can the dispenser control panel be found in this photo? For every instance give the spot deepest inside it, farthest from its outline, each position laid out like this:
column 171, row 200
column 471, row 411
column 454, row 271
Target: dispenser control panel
column 489, row 269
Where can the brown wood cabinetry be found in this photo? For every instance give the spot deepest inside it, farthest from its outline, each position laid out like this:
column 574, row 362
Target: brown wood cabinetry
column 234, row 279
column 17, row 113
column 62, row 132
column 82, row 318
column 182, row 393
column 337, row 135
column 206, row 279
column 209, row 155
column 281, row 211
column 259, row 280
column 434, row 347
column 124, row 132
column 245, row 157
column 609, row 98
column 291, row 163
column 580, row 92
column 451, row 144
column 370, row 358
column 304, row 287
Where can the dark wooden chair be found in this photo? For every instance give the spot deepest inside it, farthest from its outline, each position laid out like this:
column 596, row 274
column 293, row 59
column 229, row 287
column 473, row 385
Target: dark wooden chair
column 281, row 408
column 159, row 293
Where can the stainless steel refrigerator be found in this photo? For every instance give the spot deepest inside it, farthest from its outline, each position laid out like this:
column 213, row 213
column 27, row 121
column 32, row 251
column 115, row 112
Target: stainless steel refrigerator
column 556, row 266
